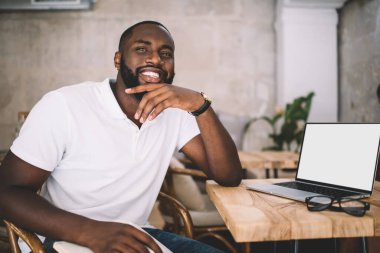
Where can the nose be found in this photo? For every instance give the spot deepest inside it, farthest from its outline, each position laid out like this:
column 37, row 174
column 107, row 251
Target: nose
column 153, row 58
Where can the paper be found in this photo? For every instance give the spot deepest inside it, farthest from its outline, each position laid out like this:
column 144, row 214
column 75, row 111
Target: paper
column 67, row 247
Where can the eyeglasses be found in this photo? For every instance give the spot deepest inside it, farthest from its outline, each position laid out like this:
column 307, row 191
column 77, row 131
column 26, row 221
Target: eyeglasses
column 351, row 206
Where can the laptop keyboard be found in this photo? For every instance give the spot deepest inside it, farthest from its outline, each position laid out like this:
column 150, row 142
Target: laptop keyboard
column 317, row 189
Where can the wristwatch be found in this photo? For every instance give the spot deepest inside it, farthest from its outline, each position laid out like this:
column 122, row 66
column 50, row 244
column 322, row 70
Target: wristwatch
column 204, row 107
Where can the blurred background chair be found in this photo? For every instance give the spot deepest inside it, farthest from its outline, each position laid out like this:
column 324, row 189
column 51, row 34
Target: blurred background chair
column 235, row 125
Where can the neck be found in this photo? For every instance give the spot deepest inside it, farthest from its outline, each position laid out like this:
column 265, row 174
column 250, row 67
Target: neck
column 128, row 103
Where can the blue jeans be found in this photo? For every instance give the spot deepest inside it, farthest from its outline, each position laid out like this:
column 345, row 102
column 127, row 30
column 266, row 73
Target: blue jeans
column 181, row 244
column 176, row 243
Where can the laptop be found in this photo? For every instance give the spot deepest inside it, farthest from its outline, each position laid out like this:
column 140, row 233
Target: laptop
column 336, row 159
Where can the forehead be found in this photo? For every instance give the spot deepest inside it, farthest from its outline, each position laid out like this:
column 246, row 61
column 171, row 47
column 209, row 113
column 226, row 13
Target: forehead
column 152, row 33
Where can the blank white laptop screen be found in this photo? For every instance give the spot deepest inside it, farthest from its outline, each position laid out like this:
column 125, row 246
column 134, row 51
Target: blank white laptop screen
column 340, row 154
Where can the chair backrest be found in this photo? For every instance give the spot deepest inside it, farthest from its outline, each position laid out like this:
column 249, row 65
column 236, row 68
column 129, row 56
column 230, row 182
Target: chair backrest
column 180, row 214
column 182, row 186
column 21, row 117
column 31, row 239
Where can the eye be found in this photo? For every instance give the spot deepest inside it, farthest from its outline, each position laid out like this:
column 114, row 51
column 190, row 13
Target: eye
column 166, row 54
column 140, row 49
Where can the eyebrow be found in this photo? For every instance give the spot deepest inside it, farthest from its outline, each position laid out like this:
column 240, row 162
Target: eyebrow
column 165, row 46
column 143, row 42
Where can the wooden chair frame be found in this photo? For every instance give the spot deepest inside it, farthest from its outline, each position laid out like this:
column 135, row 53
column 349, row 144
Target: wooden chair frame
column 30, row 238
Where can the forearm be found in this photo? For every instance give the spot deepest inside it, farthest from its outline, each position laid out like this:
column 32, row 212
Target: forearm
column 222, row 158
column 30, row 211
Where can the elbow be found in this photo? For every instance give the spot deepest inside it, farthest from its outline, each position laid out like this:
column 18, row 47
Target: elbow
column 233, row 180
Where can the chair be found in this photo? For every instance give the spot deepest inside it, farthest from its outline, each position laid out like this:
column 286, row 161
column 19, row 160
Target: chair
column 31, row 239
column 207, row 223
column 15, row 232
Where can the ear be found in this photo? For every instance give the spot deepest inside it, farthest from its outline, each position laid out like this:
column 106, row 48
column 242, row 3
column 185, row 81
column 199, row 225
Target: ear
column 117, row 59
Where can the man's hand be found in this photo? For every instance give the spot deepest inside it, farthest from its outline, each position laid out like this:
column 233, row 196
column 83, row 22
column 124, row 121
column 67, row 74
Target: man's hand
column 111, row 237
column 162, row 96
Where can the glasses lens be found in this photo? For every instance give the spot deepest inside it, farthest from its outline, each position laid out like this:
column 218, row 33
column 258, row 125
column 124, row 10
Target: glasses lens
column 353, row 207
column 318, row 203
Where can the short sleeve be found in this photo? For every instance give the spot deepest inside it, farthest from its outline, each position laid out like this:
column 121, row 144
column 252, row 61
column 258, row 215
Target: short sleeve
column 45, row 133
column 189, row 129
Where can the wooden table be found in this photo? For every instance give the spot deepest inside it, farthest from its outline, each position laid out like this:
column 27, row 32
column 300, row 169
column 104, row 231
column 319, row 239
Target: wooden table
column 269, row 160
column 254, row 217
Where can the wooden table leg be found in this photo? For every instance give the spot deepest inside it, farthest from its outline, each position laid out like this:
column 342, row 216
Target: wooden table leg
column 267, row 175
column 275, row 173
column 246, row 247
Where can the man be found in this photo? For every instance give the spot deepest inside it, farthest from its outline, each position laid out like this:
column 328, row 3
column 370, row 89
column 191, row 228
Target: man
column 101, row 151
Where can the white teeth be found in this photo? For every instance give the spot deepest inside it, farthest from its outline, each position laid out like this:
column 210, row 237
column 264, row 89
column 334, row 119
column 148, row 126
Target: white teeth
column 151, row 74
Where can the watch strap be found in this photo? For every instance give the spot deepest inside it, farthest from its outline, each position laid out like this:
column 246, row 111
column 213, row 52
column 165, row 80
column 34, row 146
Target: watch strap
column 203, row 107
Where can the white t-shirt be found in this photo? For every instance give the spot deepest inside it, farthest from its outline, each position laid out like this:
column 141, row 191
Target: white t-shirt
column 102, row 165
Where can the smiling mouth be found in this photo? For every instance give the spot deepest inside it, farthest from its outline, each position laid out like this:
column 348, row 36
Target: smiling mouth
column 150, row 76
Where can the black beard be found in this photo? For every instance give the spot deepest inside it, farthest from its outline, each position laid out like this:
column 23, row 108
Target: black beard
column 131, row 80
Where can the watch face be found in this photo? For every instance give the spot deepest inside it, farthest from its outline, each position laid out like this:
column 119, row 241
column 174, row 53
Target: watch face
column 205, row 97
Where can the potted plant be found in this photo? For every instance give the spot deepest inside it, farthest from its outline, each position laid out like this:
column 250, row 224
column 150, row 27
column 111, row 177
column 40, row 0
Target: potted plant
column 287, row 125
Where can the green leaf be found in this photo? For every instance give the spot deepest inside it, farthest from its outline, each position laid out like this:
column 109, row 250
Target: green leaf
column 295, row 112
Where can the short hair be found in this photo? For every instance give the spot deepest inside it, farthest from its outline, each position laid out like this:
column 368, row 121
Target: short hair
column 128, row 33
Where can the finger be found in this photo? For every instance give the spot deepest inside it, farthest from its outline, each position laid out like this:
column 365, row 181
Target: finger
column 128, row 248
column 151, row 105
column 158, row 109
column 130, row 244
column 145, row 100
column 142, row 238
column 136, row 246
column 115, row 251
column 148, row 241
column 144, row 87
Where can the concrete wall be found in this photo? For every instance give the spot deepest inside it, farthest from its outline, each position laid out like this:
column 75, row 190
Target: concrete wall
column 225, row 48
column 359, row 61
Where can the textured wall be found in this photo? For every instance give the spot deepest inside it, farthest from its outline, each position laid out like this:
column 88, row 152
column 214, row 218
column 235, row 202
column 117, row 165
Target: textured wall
column 223, row 47
column 359, row 61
